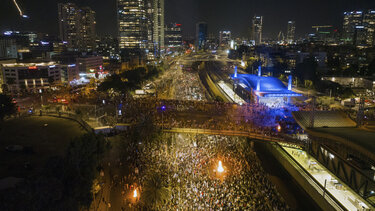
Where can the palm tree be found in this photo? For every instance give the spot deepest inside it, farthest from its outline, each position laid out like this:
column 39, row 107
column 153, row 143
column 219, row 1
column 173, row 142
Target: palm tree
column 155, row 193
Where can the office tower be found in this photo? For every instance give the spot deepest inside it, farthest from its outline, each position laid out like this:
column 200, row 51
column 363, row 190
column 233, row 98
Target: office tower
column 173, row 37
column 224, row 38
column 201, row 35
column 68, row 23
column 8, row 48
column 107, row 47
column 353, row 23
column 256, row 29
column 150, row 29
column 77, row 26
column 369, row 24
column 291, row 30
column 158, row 25
column 87, row 29
column 132, row 24
column 31, row 77
column 324, row 34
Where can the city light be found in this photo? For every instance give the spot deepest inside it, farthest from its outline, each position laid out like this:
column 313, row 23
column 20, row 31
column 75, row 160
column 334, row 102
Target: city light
column 220, row 168
column 135, row 194
column 260, row 89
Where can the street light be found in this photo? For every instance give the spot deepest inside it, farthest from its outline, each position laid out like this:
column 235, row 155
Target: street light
column 278, row 128
column 162, row 116
column 135, row 194
column 220, row 168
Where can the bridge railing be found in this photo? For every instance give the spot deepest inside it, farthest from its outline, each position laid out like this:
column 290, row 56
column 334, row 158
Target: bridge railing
column 251, row 135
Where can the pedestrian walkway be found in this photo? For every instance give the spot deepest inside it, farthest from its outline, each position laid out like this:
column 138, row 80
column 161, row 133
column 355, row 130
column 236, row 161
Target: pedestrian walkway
column 230, row 93
column 347, row 197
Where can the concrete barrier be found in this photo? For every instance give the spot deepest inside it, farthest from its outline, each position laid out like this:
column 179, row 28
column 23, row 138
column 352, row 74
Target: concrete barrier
column 311, row 187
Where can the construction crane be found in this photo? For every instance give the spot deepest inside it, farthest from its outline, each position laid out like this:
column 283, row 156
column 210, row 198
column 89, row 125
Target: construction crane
column 19, row 10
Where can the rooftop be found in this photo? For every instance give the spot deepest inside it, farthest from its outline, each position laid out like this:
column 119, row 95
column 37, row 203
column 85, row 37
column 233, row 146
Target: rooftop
column 29, row 64
column 268, row 86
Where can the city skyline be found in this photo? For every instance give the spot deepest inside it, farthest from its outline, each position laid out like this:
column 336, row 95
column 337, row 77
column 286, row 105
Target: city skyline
column 234, row 16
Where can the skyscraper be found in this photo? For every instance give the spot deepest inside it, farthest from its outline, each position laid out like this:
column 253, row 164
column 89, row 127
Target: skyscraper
column 291, row 30
column 224, row 38
column 68, row 25
column 256, row 29
column 132, row 24
column 158, row 25
column 201, row 35
column 352, row 24
column 369, row 24
column 87, row 29
column 77, row 26
column 173, row 37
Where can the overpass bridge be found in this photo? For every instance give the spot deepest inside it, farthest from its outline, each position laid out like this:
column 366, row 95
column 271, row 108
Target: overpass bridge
column 250, row 135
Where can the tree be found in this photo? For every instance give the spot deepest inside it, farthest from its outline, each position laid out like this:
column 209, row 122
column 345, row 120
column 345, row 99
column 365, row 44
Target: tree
column 309, row 84
column 113, row 82
column 65, row 182
column 81, row 162
column 7, row 107
column 156, row 192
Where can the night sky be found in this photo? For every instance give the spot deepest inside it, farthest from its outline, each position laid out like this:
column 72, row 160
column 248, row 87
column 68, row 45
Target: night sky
column 234, row 15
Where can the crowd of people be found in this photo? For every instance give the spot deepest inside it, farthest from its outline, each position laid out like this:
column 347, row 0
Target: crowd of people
column 252, row 117
column 189, row 166
column 187, row 87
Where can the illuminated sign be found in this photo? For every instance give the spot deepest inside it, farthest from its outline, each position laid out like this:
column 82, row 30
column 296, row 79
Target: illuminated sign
column 33, row 68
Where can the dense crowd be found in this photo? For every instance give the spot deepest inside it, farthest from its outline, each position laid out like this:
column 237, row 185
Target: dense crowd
column 187, row 87
column 189, row 166
column 252, row 117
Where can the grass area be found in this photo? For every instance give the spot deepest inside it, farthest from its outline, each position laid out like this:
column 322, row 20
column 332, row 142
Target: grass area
column 46, row 141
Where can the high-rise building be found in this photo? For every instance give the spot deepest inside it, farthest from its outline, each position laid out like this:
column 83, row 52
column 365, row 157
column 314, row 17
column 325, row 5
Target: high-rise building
column 201, row 35
column 173, row 37
column 107, row 47
column 353, row 23
column 323, row 34
column 8, row 48
column 77, row 26
column 68, row 25
column 87, row 29
column 158, row 25
column 224, row 38
column 291, row 30
column 369, row 23
column 256, row 29
column 132, row 24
